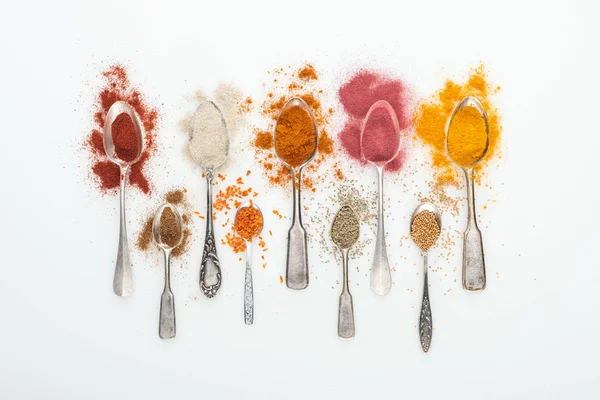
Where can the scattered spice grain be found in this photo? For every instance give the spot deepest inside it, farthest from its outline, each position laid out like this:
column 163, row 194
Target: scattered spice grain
column 248, row 222
column 345, row 228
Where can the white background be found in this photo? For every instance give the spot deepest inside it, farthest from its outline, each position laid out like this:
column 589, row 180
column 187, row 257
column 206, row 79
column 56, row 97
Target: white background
column 532, row 334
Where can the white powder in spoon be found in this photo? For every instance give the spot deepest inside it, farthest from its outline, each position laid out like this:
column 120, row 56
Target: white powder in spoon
column 209, row 142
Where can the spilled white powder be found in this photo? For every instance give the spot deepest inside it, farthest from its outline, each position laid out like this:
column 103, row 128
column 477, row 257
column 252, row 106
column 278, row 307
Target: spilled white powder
column 209, row 138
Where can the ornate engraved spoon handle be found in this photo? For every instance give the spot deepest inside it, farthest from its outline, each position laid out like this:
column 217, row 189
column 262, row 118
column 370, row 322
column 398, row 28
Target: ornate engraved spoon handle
column 210, row 269
column 425, row 321
column 248, row 291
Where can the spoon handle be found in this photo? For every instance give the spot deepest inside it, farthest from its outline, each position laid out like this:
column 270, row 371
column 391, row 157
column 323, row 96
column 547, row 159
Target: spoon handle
column 210, row 269
column 381, row 277
column 248, row 288
column 425, row 320
column 346, row 309
column 166, row 323
column 123, row 279
column 473, row 259
column 297, row 255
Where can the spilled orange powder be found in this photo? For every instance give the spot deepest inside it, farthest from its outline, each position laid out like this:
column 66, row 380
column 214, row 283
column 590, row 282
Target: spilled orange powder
column 283, row 85
column 432, row 114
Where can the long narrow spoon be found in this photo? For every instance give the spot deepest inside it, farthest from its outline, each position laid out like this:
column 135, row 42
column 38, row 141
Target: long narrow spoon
column 210, row 268
column 166, row 323
column 345, row 231
column 248, row 285
column 123, row 279
column 425, row 318
column 381, row 277
column 473, row 268
column 297, row 255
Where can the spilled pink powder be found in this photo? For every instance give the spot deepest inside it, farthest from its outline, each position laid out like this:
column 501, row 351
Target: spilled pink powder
column 358, row 95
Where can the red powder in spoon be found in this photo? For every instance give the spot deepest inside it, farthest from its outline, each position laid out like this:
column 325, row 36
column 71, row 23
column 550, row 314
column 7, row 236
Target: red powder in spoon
column 380, row 136
column 124, row 137
column 358, row 94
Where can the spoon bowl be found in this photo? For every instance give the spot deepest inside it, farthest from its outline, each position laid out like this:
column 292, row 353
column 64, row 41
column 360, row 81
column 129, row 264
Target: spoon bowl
column 248, row 284
column 118, row 108
column 156, row 226
column 341, row 246
column 198, row 115
column 166, row 322
column 380, row 104
column 249, row 205
column 427, row 206
column 469, row 101
column 296, row 102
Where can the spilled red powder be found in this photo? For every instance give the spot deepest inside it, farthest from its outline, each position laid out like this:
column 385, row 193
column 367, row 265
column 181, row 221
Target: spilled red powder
column 358, row 95
column 117, row 87
column 380, row 136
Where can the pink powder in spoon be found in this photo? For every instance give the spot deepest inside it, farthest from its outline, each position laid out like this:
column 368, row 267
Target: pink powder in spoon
column 358, row 94
column 380, row 136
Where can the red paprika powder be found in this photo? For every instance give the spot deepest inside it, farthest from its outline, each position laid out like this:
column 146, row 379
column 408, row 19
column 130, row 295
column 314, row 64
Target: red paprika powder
column 117, row 87
column 124, row 137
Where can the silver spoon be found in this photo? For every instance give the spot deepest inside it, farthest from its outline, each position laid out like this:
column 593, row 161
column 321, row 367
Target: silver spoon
column 381, row 277
column 296, row 274
column 473, row 269
column 248, row 286
column 166, row 324
column 345, row 309
column 425, row 319
column 123, row 279
column 210, row 268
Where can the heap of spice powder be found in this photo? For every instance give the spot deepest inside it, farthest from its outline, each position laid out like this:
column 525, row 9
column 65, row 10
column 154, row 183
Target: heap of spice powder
column 116, row 86
column 176, row 197
column 431, row 117
column 170, row 231
column 358, row 94
column 125, row 138
column 467, row 137
column 248, row 222
column 283, row 85
column 380, row 136
column 295, row 136
column 424, row 229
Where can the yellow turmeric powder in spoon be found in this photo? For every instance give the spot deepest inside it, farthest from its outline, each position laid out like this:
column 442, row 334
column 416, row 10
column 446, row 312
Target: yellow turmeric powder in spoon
column 467, row 137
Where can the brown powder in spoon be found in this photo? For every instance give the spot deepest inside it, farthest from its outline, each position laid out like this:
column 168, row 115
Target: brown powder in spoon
column 170, row 231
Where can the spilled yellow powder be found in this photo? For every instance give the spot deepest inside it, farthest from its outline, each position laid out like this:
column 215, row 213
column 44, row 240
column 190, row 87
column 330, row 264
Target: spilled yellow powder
column 431, row 116
column 467, row 137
